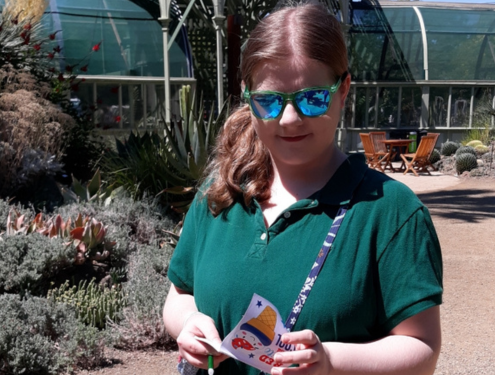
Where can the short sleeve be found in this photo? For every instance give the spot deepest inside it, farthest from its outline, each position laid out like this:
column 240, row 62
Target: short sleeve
column 410, row 271
column 181, row 268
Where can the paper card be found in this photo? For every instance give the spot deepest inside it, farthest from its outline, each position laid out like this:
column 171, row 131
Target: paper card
column 256, row 338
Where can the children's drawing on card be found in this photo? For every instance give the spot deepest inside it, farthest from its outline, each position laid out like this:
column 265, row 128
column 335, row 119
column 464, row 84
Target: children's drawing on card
column 257, row 337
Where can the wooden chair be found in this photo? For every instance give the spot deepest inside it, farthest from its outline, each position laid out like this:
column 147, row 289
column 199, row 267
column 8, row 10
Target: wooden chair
column 373, row 159
column 380, row 148
column 420, row 160
column 436, row 135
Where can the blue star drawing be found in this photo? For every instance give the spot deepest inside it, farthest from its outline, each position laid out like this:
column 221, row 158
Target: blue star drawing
column 251, row 355
column 259, row 304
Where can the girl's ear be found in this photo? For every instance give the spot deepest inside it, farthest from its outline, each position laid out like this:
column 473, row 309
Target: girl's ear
column 345, row 86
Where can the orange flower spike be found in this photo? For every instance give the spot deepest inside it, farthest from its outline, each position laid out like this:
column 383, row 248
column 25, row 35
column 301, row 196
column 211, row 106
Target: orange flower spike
column 52, row 36
column 96, row 47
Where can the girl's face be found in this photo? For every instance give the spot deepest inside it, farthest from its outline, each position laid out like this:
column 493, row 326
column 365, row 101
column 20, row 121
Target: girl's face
column 293, row 139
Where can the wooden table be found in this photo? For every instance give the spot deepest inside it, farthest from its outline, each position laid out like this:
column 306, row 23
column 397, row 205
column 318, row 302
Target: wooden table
column 397, row 147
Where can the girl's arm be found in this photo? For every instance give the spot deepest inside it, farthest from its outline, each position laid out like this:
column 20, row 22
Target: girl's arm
column 411, row 348
column 183, row 321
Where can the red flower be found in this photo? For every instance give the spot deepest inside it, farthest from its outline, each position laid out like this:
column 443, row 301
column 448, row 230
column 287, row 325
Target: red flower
column 115, row 90
column 83, row 79
column 15, row 21
column 37, row 47
column 84, row 68
column 57, row 49
column 51, row 70
column 96, row 47
column 27, row 27
column 61, row 77
column 118, row 118
column 24, row 34
column 50, row 55
column 27, row 39
column 69, row 68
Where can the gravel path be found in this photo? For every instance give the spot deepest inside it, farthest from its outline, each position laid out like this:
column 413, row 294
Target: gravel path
column 464, row 216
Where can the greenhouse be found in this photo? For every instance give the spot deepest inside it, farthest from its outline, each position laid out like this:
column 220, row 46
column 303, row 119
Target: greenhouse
column 415, row 65
column 419, row 66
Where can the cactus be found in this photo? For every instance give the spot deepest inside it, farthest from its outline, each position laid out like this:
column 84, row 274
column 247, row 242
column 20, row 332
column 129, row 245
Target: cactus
column 435, row 156
column 465, row 150
column 92, row 302
column 449, row 148
column 465, row 162
column 474, row 143
column 481, row 149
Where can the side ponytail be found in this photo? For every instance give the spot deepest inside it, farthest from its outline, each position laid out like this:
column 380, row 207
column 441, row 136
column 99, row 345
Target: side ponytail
column 241, row 164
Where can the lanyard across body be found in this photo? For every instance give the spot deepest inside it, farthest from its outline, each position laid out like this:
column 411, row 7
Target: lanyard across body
column 316, row 268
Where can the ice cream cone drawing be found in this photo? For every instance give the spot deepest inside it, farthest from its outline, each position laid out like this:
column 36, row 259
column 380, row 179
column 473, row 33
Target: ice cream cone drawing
column 256, row 332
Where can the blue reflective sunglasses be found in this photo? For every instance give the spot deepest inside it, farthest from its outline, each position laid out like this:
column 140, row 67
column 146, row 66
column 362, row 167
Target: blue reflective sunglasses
column 309, row 102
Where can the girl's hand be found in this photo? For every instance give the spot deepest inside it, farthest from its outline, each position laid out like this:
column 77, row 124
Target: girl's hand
column 310, row 354
column 196, row 352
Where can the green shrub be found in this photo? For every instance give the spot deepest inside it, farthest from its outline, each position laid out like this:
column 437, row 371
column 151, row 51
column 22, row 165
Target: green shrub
column 146, row 290
column 38, row 336
column 93, row 303
column 449, row 148
column 435, row 156
column 465, row 162
column 465, row 150
column 29, row 263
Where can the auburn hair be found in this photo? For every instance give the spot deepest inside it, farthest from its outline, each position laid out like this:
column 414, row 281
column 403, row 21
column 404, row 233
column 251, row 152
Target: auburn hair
column 241, row 167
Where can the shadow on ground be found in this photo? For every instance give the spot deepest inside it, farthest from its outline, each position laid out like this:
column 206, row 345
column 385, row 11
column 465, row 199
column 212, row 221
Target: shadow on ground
column 469, row 205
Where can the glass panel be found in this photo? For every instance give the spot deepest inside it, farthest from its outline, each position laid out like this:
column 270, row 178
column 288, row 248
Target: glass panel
column 131, row 40
column 389, row 98
column 483, row 107
column 410, row 107
column 439, row 100
column 455, row 39
column 459, row 112
column 155, row 95
column 107, row 114
column 362, row 105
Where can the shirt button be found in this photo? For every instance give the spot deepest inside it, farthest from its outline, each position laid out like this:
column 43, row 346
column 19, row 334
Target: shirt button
column 263, row 236
column 287, row 215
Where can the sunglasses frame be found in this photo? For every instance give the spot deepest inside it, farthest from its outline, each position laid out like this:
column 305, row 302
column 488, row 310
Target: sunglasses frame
column 290, row 97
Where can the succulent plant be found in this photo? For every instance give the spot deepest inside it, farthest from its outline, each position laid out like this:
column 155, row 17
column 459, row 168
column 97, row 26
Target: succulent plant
column 474, row 143
column 465, row 162
column 435, row 156
column 481, row 149
column 94, row 190
column 87, row 235
column 449, row 148
column 465, row 150
column 94, row 304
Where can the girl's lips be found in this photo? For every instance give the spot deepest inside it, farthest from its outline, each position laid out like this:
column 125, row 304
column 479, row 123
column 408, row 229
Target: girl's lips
column 294, row 139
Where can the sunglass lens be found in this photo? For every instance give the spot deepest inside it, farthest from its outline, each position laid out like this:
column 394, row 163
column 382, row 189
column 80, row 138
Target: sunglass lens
column 313, row 102
column 266, row 106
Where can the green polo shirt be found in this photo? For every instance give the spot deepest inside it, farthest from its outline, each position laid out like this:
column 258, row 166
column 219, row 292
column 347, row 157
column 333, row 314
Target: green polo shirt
column 384, row 267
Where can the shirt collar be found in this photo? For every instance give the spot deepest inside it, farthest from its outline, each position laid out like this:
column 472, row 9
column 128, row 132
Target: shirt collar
column 341, row 186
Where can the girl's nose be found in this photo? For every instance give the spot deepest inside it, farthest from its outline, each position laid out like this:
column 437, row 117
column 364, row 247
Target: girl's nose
column 290, row 116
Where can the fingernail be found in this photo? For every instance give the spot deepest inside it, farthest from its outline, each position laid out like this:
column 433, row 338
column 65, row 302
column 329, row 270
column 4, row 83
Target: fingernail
column 276, row 371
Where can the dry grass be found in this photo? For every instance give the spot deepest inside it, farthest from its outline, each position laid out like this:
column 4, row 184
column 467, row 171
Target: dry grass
column 31, row 10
